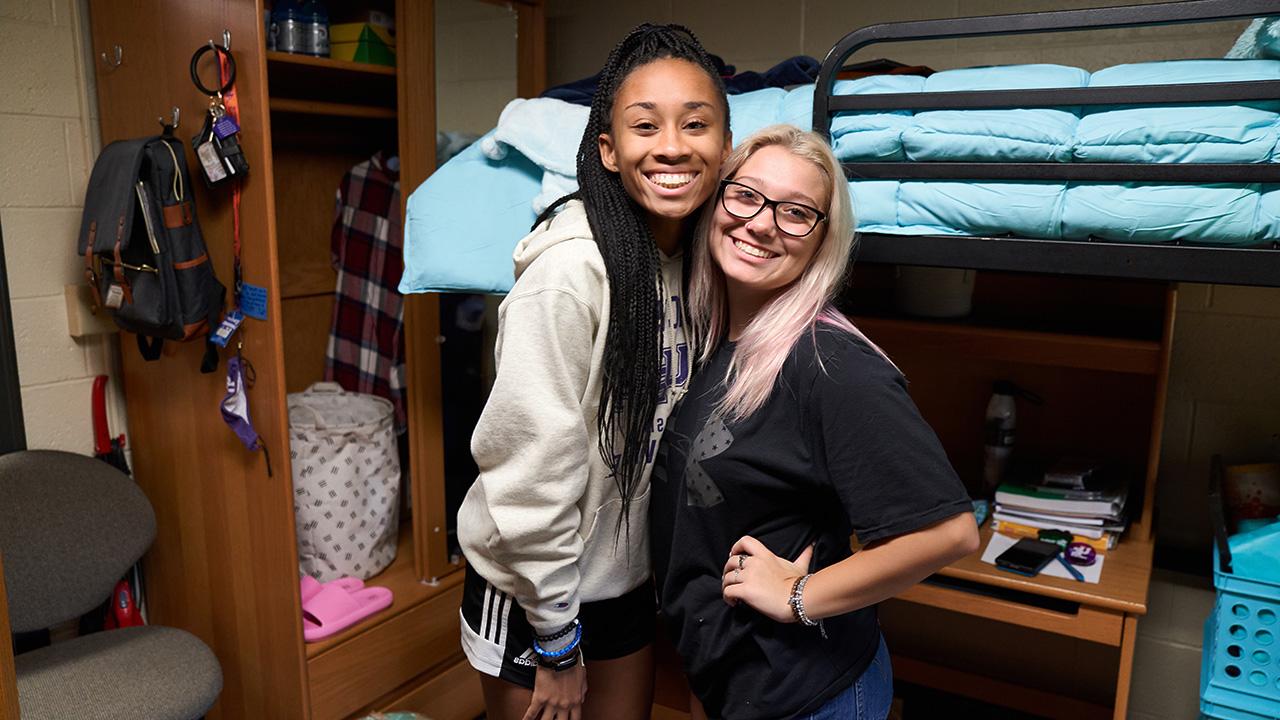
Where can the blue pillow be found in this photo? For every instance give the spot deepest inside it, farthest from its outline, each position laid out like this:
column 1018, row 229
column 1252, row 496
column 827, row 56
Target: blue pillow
column 750, row 111
column 1038, row 135
column 463, row 223
column 872, row 135
column 1211, row 214
column 1026, row 209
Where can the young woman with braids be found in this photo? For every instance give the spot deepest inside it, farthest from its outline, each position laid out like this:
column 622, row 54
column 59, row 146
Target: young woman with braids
column 795, row 433
column 591, row 358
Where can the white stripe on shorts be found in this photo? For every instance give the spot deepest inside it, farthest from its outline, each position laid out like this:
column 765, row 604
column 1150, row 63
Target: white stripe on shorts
column 483, row 654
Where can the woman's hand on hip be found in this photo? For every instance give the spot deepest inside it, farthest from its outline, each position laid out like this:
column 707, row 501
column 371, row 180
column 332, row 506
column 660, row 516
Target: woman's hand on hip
column 762, row 580
column 558, row 695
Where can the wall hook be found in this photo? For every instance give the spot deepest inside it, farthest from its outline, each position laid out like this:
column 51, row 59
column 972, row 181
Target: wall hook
column 172, row 125
column 226, row 42
column 117, row 57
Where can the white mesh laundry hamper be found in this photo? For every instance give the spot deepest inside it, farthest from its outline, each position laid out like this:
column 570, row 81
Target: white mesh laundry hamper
column 346, row 481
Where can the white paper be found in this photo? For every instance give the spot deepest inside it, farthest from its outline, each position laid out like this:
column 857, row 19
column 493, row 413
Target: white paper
column 999, row 543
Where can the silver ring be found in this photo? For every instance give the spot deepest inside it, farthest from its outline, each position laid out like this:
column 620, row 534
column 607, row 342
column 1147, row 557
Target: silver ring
column 737, row 576
column 742, row 561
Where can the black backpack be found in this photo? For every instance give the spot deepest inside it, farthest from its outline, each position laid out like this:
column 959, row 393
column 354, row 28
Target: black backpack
column 144, row 256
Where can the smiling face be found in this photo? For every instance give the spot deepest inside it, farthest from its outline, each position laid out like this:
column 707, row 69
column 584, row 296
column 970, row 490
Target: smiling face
column 757, row 259
column 667, row 140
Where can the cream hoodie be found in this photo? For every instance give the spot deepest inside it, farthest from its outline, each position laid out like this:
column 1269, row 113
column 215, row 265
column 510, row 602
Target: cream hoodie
column 540, row 521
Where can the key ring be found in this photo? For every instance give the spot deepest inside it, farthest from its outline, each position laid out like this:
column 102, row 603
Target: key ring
column 231, row 69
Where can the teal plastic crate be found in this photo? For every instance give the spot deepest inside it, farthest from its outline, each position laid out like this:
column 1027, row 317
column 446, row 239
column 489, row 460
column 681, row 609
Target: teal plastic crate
column 1240, row 665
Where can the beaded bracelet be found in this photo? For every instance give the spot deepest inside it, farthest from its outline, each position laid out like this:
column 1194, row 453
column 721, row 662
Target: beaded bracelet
column 553, row 654
column 796, row 601
column 559, row 633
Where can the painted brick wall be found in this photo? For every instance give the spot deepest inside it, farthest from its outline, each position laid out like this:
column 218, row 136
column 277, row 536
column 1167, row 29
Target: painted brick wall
column 475, row 64
column 48, row 138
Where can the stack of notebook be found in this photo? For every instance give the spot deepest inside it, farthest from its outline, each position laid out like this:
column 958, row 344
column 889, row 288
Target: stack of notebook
column 1093, row 515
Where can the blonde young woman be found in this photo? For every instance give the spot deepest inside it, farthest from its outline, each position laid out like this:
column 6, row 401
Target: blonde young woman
column 795, row 433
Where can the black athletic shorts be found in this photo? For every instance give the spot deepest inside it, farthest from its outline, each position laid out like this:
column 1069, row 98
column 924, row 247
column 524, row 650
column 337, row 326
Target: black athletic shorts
column 498, row 639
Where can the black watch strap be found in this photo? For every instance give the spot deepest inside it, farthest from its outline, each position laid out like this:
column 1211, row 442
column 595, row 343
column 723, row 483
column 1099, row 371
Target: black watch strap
column 568, row 662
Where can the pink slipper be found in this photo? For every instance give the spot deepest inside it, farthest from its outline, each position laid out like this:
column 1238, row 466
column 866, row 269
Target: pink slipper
column 311, row 586
column 334, row 609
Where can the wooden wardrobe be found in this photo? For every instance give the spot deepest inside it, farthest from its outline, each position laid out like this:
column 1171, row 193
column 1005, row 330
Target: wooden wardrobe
column 224, row 564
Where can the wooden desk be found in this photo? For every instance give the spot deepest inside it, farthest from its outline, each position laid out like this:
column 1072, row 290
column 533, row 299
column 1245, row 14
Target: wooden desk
column 1047, row 645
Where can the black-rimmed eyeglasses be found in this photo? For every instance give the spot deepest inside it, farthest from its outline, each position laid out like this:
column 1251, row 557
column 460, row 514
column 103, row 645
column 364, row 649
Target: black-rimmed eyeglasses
column 745, row 202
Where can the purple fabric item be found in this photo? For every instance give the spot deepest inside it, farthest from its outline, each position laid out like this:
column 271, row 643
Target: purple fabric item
column 235, row 406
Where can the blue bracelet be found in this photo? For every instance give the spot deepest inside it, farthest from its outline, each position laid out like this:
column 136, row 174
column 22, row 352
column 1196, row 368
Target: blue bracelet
column 577, row 636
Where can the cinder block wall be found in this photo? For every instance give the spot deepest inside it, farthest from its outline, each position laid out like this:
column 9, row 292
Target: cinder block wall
column 48, row 139
column 475, row 64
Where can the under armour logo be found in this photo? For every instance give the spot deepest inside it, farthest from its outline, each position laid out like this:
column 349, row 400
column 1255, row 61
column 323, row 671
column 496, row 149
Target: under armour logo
column 714, row 439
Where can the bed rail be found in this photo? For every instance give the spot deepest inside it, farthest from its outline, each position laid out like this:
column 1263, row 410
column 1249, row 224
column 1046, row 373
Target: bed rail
column 1259, row 265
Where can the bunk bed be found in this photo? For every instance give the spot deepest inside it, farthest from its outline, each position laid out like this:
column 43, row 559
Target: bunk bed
column 1256, row 264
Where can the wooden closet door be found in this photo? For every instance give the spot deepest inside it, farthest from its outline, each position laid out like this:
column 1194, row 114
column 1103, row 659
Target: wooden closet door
column 224, row 563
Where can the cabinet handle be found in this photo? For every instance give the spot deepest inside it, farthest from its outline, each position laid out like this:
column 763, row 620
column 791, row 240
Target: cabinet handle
column 117, row 57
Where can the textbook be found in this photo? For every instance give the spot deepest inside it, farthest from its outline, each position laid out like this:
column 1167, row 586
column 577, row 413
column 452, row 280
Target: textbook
column 1116, row 522
column 1105, row 541
column 1033, row 497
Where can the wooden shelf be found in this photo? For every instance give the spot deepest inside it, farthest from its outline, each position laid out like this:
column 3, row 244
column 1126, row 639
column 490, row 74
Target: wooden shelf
column 317, row 107
column 939, row 339
column 275, row 58
column 418, row 634
column 401, row 578
column 302, row 78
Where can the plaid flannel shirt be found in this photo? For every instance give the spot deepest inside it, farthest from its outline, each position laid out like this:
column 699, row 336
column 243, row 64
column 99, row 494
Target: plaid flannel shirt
column 366, row 351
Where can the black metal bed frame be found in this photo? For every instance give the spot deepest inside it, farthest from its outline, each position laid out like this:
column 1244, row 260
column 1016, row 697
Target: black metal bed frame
column 1258, row 265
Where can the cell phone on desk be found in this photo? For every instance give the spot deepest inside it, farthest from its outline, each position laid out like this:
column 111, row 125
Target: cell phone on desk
column 1027, row 556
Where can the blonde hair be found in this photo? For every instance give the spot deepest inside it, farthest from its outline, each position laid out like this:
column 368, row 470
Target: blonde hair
column 768, row 338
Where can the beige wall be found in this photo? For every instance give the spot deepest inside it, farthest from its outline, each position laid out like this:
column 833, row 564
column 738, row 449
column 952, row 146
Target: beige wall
column 755, row 34
column 475, row 64
column 48, row 137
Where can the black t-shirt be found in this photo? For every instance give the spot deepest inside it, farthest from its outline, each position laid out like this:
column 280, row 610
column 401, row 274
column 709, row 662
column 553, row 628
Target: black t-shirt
column 832, row 452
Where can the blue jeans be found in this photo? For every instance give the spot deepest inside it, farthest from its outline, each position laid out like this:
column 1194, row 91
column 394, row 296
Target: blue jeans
column 868, row 698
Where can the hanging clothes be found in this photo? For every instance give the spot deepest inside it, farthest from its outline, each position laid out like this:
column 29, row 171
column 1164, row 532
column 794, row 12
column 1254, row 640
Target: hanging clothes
column 366, row 350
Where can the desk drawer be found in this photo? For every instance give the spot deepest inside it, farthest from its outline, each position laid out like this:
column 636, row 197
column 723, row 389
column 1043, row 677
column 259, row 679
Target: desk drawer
column 1098, row 625
column 357, row 672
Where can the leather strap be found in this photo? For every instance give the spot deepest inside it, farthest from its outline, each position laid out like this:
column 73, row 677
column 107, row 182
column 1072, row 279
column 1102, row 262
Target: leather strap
column 90, row 275
column 191, row 263
column 118, row 269
column 180, row 215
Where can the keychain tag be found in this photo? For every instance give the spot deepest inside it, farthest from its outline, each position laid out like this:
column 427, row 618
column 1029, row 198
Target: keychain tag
column 115, row 297
column 211, row 162
column 224, row 127
column 227, row 328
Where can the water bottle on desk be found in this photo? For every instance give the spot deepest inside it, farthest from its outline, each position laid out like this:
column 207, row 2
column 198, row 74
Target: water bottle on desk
column 1000, row 429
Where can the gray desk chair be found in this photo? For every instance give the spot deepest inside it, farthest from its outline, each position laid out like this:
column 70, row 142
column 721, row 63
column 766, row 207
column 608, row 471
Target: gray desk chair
column 70, row 528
